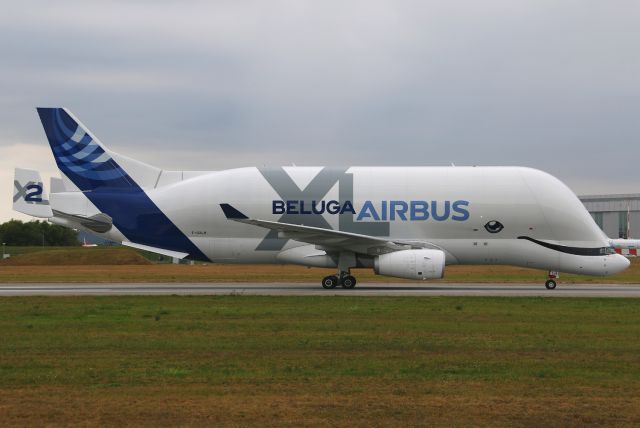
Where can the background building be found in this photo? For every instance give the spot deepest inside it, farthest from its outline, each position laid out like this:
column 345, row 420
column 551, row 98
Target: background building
column 615, row 213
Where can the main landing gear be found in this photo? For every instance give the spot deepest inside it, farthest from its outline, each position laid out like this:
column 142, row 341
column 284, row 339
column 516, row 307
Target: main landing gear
column 551, row 282
column 345, row 280
column 346, row 260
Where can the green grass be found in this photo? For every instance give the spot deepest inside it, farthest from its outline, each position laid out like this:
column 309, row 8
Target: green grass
column 16, row 251
column 324, row 360
column 74, row 256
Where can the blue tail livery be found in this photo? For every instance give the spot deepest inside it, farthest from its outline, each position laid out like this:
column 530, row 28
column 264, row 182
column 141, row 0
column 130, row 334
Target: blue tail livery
column 110, row 188
column 79, row 155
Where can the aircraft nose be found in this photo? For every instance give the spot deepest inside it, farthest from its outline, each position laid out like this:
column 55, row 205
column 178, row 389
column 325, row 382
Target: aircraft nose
column 618, row 263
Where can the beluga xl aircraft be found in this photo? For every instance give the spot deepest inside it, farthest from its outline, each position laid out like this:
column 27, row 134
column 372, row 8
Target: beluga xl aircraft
column 404, row 222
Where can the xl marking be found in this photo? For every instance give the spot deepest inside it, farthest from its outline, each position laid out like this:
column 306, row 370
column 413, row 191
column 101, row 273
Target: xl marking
column 316, row 190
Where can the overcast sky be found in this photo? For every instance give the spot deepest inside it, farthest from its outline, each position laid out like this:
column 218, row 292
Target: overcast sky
column 219, row 84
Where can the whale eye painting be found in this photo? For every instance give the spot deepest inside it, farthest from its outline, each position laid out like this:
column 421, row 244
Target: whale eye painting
column 494, row 226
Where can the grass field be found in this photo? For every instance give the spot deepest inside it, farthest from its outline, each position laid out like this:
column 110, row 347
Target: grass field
column 40, row 255
column 241, row 360
column 98, row 256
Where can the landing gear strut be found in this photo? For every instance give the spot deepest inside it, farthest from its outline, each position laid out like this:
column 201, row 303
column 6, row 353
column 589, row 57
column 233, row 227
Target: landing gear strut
column 551, row 282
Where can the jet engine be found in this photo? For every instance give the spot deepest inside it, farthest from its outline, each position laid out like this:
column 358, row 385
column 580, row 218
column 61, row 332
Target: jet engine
column 411, row 264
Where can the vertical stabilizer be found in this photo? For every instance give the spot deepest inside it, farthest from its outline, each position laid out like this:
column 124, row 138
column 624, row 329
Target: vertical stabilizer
column 84, row 160
column 29, row 194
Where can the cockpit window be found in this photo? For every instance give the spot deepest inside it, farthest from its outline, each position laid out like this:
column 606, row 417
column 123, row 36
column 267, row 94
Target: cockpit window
column 607, row 250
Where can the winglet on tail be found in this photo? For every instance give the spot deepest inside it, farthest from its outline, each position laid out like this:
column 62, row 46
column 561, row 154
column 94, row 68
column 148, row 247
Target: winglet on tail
column 29, row 194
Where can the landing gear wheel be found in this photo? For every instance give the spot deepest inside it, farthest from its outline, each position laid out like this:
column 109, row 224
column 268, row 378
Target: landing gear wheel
column 550, row 284
column 348, row 281
column 330, row 281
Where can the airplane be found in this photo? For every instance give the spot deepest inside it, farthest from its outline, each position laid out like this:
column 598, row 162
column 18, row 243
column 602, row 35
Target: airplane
column 403, row 222
column 87, row 245
column 626, row 247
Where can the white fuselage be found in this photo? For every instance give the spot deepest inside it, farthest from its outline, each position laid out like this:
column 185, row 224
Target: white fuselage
column 402, row 221
column 522, row 206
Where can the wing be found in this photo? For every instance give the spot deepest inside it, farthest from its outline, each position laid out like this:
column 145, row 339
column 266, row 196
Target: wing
column 328, row 239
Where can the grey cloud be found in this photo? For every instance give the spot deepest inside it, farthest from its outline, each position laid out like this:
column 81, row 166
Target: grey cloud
column 547, row 84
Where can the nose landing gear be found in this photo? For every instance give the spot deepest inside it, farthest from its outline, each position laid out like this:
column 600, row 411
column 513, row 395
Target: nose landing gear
column 551, row 282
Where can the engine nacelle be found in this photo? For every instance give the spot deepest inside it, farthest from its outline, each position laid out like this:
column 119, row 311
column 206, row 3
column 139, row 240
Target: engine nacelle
column 411, row 264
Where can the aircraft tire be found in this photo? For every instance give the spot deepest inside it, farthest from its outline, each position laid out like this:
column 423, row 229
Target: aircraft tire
column 330, row 281
column 348, row 281
column 550, row 284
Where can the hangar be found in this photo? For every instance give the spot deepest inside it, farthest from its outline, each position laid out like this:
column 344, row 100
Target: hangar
column 617, row 215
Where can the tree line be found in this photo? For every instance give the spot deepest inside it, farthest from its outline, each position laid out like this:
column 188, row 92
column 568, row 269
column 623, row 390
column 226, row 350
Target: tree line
column 31, row 233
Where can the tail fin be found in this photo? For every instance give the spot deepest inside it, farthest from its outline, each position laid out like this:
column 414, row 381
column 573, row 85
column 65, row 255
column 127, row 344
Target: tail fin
column 84, row 160
column 29, row 194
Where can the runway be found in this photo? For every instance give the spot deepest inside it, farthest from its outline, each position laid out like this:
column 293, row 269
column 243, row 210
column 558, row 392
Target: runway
column 313, row 289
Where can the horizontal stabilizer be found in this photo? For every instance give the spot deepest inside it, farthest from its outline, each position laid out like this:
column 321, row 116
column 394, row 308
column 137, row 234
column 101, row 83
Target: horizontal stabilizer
column 99, row 223
column 162, row 251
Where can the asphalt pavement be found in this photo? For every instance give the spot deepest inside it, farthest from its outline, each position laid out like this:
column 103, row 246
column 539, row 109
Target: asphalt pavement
column 314, row 289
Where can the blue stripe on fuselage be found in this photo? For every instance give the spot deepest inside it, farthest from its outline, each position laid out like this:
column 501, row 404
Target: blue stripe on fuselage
column 109, row 187
column 141, row 221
